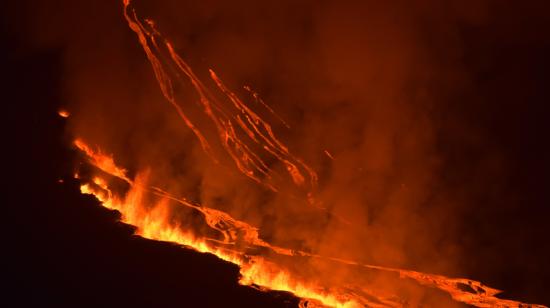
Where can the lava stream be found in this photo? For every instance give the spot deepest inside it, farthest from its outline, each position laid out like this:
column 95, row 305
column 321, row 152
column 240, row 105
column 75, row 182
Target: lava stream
column 236, row 133
column 239, row 129
column 155, row 221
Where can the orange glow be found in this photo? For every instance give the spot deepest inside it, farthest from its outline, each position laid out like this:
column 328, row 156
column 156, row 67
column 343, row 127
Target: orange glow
column 63, row 113
column 154, row 221
column 238, row 127
column 233, row 135
column 101, row 161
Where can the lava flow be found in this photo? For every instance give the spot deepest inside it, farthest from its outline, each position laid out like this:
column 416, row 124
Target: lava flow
column 155, row 213
column 238, row 128
column 237, row 137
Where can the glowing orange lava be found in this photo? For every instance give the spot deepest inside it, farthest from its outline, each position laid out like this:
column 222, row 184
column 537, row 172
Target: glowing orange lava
column 246, row 140
column 155, row 221
column 63, row 113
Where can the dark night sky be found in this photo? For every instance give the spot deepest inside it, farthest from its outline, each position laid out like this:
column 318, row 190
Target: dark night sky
column 65, row 251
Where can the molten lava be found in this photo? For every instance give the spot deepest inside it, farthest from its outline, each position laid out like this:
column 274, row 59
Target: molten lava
column 155, row 221
column 239, row 243
column 239, row 129
column 242, row 137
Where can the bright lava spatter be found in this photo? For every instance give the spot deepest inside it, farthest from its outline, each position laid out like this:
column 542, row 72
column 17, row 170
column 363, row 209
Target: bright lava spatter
column 150, row 209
